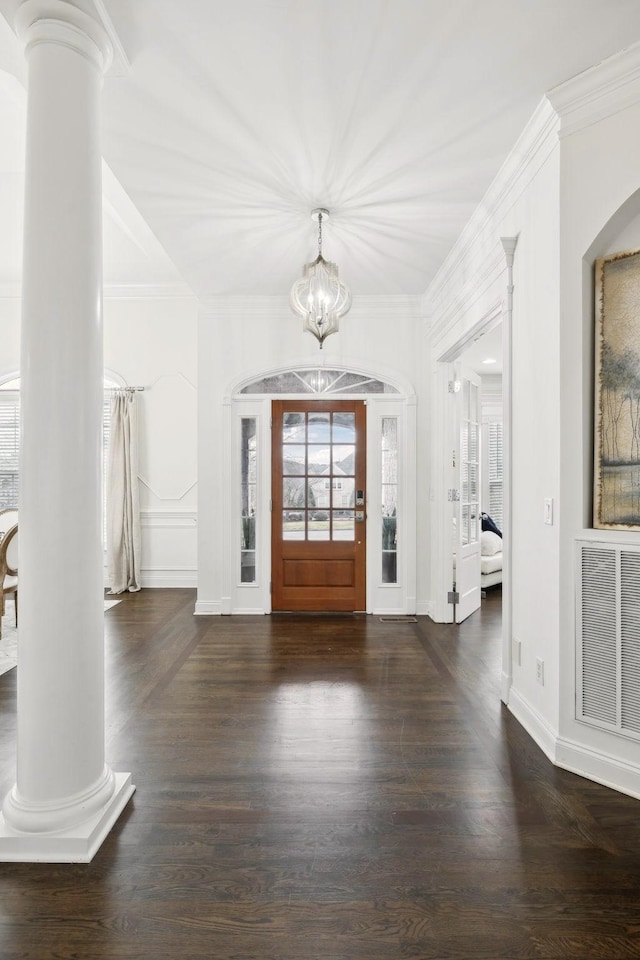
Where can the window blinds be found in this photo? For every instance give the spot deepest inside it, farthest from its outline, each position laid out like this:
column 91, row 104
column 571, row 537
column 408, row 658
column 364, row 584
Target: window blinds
column 9, row 447
column 495, row 471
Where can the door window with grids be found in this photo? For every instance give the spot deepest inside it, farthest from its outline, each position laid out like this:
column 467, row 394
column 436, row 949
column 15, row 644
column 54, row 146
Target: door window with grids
column 318, row 476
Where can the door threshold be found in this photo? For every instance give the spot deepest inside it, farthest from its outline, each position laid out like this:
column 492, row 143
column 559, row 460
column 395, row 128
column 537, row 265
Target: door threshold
column 318, row 613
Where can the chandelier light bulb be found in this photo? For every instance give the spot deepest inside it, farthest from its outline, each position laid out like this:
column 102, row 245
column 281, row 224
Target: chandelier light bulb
column 320, row 297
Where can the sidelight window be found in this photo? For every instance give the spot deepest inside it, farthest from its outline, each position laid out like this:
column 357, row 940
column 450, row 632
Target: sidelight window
column 389, row 481
column 249, row 478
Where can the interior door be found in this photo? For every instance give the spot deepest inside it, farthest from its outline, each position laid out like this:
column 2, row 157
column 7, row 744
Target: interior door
column 318, row 505
column 467, row 502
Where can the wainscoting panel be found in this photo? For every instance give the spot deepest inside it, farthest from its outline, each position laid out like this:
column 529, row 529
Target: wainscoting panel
column 169, row 548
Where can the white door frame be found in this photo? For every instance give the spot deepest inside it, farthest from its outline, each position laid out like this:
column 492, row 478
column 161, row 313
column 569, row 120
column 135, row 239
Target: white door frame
column 467, row 564
column 255, row 598
column 441, row 558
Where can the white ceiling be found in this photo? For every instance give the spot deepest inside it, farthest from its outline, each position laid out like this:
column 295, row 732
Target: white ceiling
column 237, row 118
column 486, row 347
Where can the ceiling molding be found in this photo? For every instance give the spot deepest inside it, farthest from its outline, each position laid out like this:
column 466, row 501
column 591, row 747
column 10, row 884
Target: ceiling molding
column 532, row 149
column 601, row 91
column 593, row 94
column 149, row 291
column 120, row 65
column 490, row 319
column 259, row 306
column 120, row 291
column 466, row 295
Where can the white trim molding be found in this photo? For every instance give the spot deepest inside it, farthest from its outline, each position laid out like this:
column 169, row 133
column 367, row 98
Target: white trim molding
column 610, row 771
column 208, row 608
column 366, row 307
column 168, row 518
column 148, row 291
column 529, row 154
column 603, row 768
column 154, row 577
column 599, row 92
column 535, row 725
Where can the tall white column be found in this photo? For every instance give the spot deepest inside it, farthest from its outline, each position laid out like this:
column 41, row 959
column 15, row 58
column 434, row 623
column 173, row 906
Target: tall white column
column 66, row 798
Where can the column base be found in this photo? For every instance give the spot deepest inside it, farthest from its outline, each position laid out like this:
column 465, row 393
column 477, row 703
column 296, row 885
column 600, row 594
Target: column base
column 78, row 845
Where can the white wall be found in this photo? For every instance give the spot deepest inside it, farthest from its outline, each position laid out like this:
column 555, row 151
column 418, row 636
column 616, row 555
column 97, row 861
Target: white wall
column 470, row 288
column 240, row 339
column 569, row 192
column 535, row 439
column 599, row 214
column 151, row 342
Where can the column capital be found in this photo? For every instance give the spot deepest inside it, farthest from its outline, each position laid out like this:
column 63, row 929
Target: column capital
column 60, row 22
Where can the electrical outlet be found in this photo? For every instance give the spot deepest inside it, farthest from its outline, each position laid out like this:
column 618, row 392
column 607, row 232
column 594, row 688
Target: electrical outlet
column 517, row 652
column 540, row 671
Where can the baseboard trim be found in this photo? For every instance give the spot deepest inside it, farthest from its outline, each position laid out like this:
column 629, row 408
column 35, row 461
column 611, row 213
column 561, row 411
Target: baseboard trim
column 167, row 577
column 208, row 608
column 609, row 771
column 537, row 728
column 584, row 761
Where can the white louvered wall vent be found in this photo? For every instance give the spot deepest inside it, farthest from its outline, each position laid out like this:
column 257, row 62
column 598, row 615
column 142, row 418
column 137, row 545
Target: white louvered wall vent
column 608, row 636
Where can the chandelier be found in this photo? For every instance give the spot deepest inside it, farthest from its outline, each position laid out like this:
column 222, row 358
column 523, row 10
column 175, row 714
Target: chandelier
column 320, row 297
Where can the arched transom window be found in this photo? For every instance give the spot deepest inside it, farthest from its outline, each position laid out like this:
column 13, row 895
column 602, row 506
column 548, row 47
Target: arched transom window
column 317, row 380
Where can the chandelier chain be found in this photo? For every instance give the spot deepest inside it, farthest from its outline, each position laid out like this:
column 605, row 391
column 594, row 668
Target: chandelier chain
column 320, row 234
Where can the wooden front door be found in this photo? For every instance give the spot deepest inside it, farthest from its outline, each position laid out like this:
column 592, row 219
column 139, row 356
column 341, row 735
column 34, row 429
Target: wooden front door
column 318, row 505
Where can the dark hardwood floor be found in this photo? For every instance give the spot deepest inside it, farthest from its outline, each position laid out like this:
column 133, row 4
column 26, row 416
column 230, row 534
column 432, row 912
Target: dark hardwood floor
column 326, row 788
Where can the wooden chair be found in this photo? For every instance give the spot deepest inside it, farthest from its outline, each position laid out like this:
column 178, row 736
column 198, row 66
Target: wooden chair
column 9, row 569
column 8, row 517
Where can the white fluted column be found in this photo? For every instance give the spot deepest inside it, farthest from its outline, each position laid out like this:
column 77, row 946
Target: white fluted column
column 66, row 798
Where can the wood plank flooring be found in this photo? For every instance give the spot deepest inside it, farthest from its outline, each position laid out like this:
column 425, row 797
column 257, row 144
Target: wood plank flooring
column 326, row 788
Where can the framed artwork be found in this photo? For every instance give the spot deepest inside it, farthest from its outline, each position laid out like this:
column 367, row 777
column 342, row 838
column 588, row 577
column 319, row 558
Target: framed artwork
column 616, row 502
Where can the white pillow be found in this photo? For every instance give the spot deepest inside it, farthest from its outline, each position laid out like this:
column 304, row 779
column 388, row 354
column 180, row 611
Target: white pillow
column 490, row 543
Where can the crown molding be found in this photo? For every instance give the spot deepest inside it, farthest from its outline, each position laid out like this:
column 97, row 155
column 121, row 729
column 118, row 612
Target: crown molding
column 120, row 63
column 121, row 291
column 531, row 151
column 438, row 320
column 148, row 291
column 601, row 91
column 369, row 306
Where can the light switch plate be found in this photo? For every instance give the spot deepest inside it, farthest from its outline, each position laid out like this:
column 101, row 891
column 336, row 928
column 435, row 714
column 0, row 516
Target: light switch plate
column 548, row 510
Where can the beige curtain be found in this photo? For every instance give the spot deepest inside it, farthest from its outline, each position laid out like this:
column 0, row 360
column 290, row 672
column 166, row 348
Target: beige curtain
column 123, row 512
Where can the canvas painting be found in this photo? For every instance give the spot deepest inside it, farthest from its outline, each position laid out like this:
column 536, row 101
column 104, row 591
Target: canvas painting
column 617, row 394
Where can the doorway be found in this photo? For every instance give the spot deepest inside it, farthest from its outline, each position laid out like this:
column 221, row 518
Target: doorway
column 472, row 445
column 318, row 518
column 481, row 481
